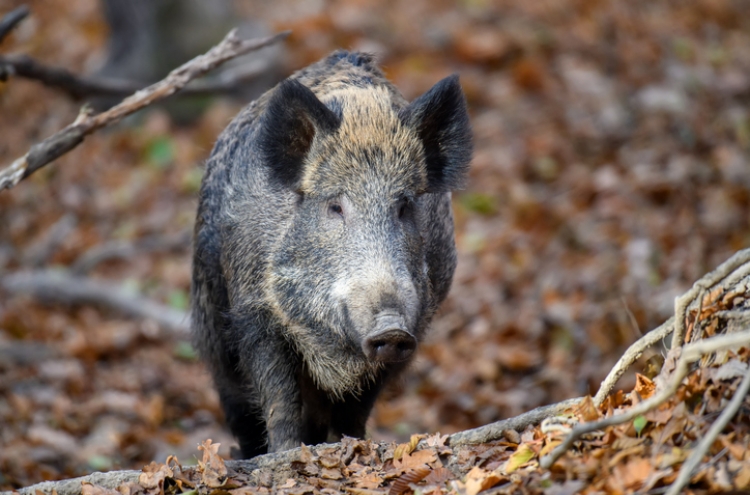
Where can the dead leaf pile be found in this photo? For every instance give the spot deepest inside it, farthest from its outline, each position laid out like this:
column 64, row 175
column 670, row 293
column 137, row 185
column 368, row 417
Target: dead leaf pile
column 639, row 456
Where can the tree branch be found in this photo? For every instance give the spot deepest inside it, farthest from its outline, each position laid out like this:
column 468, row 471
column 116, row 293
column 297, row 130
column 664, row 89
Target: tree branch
column 71, row 136
column 732, row 269
column 79, row 87
column 124, row 250
column 11, row 20
column 717, row 427
column 58, row 286
column 494, row 431
column 632, row 355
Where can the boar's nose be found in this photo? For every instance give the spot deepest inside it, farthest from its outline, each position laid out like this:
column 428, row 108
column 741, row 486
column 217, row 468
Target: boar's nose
column 390, row 343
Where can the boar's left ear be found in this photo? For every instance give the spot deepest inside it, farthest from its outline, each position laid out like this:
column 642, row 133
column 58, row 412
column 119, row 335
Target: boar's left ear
column 442, row 123
column 292, row 119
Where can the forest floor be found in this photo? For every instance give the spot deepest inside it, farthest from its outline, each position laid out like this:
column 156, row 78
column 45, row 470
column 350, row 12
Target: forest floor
column 611, row 171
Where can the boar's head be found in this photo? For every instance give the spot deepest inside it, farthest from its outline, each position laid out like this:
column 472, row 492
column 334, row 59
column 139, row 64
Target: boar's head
column 349, row 275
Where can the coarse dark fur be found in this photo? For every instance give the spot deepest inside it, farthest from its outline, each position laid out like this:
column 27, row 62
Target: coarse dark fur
column 323, row 246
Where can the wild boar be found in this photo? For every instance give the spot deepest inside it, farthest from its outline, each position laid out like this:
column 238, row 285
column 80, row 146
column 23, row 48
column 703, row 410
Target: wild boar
column 323, row 246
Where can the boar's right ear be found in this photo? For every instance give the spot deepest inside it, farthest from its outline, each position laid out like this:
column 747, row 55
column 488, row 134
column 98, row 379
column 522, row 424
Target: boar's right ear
column 442, row 123
column 293, row 117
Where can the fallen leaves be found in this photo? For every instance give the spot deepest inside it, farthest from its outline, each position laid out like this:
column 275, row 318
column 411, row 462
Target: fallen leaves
column 577, row 204
column 212, row 467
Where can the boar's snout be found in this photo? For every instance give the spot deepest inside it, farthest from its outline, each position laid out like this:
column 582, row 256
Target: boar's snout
column 390, row 342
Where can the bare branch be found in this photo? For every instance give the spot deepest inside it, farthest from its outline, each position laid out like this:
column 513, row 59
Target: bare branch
column 123, row 250
column 735, row 268
column 58, row 286
column 632, row 355
column 11, row 20
column 713, row 433
column 68, row 138
column 494, row 431
column 79, row 87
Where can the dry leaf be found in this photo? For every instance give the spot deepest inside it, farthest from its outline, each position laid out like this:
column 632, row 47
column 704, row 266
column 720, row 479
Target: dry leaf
column 737, row 450
column 742, row 478
column 370, row 480
column 478, row 480
column 289, row 483
column 331, row 474
column 363, row 491
column 644, row 386
column 401, row 484
column 305, row 454
column 416, row 460
column 439, row 476
column 632, row 474
column 212, row 467
column 521, row 456
column 586, row 410
column 407, row 448
column 91, row 489
column 549, row 446
column 154, row 474
column 731, row 369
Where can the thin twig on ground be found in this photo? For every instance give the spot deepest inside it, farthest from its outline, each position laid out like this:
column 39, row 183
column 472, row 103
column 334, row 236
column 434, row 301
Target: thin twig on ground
column 71, row 136
column 60, row 287
column 713, row 433
column 689, row 354
column 11, row 20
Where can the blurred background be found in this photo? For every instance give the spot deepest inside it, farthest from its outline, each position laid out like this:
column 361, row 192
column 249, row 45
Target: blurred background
column 612, row 169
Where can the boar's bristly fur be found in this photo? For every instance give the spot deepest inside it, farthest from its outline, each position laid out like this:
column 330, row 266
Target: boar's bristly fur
column 323, row 247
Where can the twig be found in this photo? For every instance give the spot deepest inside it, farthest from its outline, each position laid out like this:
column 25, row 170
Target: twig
column 689, row 353
column 633, row 353
column 123, row 250
column 71, row 136
column 11, row 19
column 695, row 331
column 706, row 282
column 78, row 87
column 493, row 431
column 58, row 286
column 717, row 427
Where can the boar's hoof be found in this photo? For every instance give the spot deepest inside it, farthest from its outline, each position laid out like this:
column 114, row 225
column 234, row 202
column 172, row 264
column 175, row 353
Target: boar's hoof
column 390, row 345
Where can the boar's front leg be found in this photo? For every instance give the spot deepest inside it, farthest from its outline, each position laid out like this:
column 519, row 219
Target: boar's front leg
column 272, row 367
column 350, row 416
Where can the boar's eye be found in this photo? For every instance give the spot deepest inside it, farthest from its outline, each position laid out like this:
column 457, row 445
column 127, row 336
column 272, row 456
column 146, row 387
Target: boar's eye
column 334, row 209
column 404, row 208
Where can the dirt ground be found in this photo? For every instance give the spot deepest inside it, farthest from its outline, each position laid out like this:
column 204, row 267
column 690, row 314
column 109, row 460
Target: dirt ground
column 611, row 170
